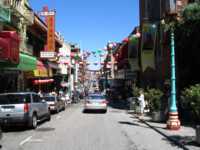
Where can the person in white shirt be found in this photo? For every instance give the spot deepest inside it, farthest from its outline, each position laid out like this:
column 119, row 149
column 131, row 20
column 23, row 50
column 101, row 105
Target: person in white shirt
column 141, row 102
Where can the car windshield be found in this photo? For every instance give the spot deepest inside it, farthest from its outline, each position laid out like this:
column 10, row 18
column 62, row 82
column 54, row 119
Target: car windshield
column 49, row 98
column 14, row 99
column 96, row 97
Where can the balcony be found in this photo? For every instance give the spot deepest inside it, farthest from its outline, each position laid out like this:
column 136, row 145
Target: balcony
column 26, row 48
column 21, row 10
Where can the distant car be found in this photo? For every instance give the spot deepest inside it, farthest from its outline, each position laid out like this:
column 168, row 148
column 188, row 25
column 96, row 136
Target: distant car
column 67, row 99
column 75, row 97
column 62, row 103
column 95, row 102
column 55, row 104
column 24, row 108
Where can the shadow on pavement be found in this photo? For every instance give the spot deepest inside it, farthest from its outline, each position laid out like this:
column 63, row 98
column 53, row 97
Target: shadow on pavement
column 120, row 104
column 19, row 128
column 93, row 112
column 131, row 123
column 142, row 121
column 185, row 140
column 14, row 129
column 173, row 141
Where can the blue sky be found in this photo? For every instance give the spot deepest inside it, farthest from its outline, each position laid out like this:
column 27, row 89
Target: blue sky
column 92, row 23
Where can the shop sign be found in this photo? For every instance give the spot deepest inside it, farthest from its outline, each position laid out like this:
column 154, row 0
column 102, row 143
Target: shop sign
column 47, row 54
column 51, row 33
column 4, row 14
column 47, row 13
column 41, row 73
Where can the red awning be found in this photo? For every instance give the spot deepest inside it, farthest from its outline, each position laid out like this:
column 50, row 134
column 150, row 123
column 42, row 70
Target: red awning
column 42, row 81
column 40, row 65
column 9, row 46
column 3, row 44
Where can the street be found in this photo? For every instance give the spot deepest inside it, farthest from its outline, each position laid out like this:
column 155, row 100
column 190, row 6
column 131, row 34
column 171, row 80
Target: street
column 74, row 130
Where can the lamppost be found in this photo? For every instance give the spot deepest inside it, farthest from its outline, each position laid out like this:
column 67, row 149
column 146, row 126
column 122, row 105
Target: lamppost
column 173, row 122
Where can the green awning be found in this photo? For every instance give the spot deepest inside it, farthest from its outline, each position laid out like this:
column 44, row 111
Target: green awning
column 133, row 40
column 26, row 62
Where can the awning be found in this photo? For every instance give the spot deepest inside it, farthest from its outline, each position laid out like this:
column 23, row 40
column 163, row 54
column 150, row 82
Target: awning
column 26, row 62
column 41, row 70
column 42, row 81
column 53, row 65
column 3, row 46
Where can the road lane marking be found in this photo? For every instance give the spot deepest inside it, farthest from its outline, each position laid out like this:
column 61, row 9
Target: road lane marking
column 25, row 140
column 36, row 140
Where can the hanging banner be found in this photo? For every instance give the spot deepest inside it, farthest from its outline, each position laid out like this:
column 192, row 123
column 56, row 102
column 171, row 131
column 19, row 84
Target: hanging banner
column 133, row 53
column 51, row 33
column 148, row 46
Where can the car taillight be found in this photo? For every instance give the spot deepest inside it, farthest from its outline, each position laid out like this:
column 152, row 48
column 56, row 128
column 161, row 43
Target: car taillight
column 26, row 108
column 104, row 102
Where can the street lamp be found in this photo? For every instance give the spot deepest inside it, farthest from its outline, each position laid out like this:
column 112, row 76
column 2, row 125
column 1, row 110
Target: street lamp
column 173, row 122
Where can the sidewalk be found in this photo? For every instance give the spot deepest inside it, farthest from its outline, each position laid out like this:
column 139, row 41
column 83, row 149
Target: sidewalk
column 184, row 138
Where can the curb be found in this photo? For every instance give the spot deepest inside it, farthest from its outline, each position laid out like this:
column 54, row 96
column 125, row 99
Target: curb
column 181, row 145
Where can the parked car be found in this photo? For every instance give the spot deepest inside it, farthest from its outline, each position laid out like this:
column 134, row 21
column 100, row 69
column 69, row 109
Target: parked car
column 95, row 102
column 24, row 108
column 62, row 103
column 55, row 104
column 66, row 98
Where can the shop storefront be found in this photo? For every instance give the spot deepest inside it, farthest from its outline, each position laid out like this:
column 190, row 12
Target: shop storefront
column 9, row 58
column 41, row 78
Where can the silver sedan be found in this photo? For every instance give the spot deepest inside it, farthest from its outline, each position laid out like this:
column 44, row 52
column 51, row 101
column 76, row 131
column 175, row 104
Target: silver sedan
column 95, row 102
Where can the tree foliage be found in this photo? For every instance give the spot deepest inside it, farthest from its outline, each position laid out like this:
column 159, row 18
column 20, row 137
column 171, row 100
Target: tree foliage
column 191, row 12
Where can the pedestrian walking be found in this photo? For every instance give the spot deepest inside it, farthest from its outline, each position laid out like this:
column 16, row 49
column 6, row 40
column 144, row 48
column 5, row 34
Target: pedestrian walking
column 141, row 103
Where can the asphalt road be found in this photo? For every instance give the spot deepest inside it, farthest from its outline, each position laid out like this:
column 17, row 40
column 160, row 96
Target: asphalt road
column 74, row 130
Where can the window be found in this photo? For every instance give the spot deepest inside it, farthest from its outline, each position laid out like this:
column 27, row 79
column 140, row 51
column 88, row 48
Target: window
column 36, row 98
column 96, row 97
column 50, row 99
column 14, row 99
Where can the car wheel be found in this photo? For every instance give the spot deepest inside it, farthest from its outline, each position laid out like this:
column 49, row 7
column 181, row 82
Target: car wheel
column 33, row 124
column 57, row 110
column 105, row 111
column 64, row 107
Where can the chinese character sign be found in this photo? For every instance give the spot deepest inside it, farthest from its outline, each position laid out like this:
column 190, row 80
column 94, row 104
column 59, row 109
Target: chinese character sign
column 51, row 33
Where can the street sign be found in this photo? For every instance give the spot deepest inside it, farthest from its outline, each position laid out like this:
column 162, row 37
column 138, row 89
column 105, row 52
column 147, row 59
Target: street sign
column 47, row 13
column 47, row 54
